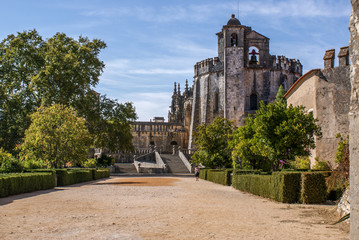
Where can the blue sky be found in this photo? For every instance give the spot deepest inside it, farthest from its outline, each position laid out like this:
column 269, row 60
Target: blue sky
column 151, row 44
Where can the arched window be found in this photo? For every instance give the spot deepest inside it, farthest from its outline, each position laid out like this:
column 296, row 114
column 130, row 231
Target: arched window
column 234, row 40
column 253, row 55
column 253, row 102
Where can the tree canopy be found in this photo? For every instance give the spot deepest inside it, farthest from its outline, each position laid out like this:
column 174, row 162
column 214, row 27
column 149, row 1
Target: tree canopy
column 56, row 136
column 277, row 134
column 212, row 141
column 60, row 70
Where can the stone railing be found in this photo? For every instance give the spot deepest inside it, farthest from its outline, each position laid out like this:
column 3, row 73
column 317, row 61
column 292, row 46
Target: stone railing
column 159, row 161
column 157, row 166
column 185, row 161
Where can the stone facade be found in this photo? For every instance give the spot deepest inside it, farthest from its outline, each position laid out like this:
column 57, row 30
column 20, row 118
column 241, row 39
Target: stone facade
column 244, row 73
column 230, row 85
column 158, row 134
column 326, row 94
column 354, row 121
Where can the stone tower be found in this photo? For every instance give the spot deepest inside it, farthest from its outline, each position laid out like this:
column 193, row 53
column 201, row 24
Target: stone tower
column 244, row 73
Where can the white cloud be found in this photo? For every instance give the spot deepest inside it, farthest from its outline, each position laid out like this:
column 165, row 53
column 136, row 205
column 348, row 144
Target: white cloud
column 151, row 104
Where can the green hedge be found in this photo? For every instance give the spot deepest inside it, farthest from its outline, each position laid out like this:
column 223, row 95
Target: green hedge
column 16, row 183
column 314, row 188
column 203, row 173
column 101, row 173
column 72, row 176
column 39, row 179
column 282, row 187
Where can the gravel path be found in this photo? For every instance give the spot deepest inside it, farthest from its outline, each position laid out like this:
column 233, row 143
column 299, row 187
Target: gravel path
column 160, row 208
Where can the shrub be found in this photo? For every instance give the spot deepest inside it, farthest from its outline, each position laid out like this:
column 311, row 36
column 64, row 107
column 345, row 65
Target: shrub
column 244, row 171
column 300, row 163
column 203, row 173
column 321, row 166
column 16, row 183
column 12, row 165
column 8, row 163
column 34, row 164
column 282, row 187
column 105, row 160
column 72, row 176
column 101, row 173
column 90, row 163
column 219, row 176
column 336, row 184
column 314, row 188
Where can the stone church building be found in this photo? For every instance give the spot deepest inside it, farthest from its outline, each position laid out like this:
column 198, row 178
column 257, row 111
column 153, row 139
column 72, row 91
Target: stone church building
column 230, row 85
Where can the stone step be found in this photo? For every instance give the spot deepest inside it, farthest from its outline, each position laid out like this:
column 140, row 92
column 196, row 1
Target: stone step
column 174, row 163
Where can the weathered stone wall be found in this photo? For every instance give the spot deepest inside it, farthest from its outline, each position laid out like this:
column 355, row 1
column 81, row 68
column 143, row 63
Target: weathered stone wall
column 162, row 135
column 354, row 121
column 325, row 93
column 332, row 99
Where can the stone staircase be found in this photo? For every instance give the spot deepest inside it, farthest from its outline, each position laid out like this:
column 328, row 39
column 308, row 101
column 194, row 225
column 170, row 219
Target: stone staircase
column 125, row 168
column 174, row 163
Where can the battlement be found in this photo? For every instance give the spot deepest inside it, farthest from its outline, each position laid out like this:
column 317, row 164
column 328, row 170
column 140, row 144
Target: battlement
column 207, row 65
column 343, row 57
column 283, row 63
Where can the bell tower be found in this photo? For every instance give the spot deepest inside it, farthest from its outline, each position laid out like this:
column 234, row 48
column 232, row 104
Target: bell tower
column 233, row 55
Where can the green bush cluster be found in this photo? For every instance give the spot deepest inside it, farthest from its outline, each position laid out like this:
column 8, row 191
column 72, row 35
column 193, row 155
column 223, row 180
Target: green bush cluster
column 16, row 183
column 314, row 188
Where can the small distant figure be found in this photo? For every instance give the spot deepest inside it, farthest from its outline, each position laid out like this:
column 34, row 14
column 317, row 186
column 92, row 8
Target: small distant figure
column 196, row 172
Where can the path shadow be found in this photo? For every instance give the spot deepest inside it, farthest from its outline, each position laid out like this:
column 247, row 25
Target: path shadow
column 10, row 199
column 119, row 183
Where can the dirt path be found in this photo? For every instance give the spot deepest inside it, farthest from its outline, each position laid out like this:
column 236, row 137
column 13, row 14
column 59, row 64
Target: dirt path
column 160, row 208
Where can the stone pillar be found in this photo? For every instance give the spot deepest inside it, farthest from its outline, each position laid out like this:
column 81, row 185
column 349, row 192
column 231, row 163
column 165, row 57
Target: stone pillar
column 343, row 57
column 354, row 121
column 329, row 58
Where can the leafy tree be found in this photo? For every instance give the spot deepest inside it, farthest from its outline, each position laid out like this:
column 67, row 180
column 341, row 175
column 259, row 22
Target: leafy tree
column 35, row 72
column 57, row 136
column 114, row 129
column 8, row 163
column 244, row 152
column 280, row 94
column 60, row 70
column 281, row 133
column 212, row 143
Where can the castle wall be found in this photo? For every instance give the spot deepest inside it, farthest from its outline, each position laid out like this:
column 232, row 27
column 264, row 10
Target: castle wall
column 327, row 93
column 354, row 121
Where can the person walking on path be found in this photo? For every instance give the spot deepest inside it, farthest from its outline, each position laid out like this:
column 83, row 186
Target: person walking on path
column 196, row 172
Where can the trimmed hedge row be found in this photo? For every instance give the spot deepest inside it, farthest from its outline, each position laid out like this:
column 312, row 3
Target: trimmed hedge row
column 68, row 177
column 282, row 187
column 39, row 179
column 16, row 183
column 286, row 187
column 314, row 188
column 101, row 173
column 77, row 175
column 219, row 176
